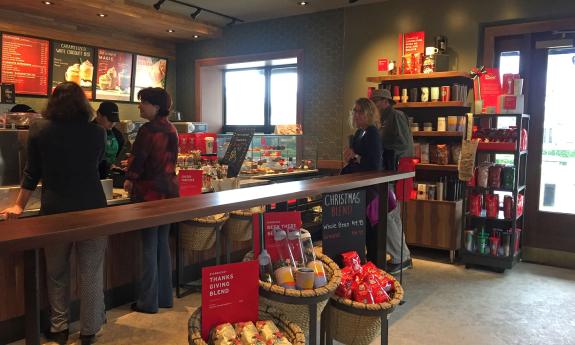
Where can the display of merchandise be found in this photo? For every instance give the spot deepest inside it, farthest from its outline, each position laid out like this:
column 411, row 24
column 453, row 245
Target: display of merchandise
column 247, row 333
column 266, row 268
column 320, row 279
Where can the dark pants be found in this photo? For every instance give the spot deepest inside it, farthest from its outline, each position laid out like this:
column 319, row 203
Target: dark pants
column 156, row 284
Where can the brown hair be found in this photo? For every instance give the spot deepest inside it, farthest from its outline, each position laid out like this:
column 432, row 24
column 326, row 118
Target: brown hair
column 368, row 108
column 157, row 96
column 68, row 103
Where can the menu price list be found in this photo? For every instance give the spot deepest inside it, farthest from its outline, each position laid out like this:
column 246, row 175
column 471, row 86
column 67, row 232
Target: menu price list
column 25, row 64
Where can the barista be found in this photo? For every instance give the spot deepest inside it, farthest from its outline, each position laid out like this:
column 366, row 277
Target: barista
column 107, row 116
column 22, row 108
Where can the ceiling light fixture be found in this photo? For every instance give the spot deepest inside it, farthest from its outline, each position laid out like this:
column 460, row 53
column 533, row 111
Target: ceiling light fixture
column 232, row 22
column 170, row 30
column 158, row 4
column 102, row 15
column 303, row 3
column 196, row 13
column 47, row 2
column 196, row 36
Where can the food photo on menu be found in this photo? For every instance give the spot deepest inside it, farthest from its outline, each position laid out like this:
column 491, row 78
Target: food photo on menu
column 150, row 72
column 75, row 63
column 114, row 75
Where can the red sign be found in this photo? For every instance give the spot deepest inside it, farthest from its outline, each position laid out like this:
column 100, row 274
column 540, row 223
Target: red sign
column 25, row 64
column 488, row 88
column 414, row 42
column 229, row 294
column 190, row 182
column 509, row 102
column 288, row 221
column 382, row 65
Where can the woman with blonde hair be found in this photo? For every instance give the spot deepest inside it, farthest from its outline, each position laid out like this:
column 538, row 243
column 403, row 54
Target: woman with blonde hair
column 364, row 152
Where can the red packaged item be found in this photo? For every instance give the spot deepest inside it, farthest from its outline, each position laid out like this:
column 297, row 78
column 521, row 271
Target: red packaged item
column 345, row 286
column 523, row 141
column 351, row 259
column 370, row 268
column 519, row 204
column 508, row 207
column 475, row 204
column 473, row 181
column 492, row 205
column 362, row 293
column 387, row 285
column 494, row 179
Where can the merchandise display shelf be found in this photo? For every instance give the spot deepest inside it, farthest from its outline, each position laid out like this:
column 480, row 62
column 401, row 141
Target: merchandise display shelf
column 500, row 152
column 419, row 76
column 500, row 263
column 438, row 167
column 437, row 134
column 489, row 116
column 431, row 104
column 494, row 189
column 500, row 217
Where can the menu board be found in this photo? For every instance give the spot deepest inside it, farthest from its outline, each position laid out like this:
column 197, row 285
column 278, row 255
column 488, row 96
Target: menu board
column 150, row 72
column 237, row 150
column 73, row 62
column 114, row 75
column 25, row 64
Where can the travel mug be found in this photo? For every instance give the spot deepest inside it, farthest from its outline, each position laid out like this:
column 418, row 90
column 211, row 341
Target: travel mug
column 435, row 94
column 413, row 94
column 425, row 94
column 445, row 93
column 469, row 235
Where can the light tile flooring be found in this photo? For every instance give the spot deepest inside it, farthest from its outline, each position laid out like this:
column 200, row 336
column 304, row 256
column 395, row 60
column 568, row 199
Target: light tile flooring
column 446, row 304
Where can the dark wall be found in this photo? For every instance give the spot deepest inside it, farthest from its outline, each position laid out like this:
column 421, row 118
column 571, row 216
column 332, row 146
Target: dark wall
column 321, row 38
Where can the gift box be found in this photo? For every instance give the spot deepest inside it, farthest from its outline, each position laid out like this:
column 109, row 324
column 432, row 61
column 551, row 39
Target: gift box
column 510, row 104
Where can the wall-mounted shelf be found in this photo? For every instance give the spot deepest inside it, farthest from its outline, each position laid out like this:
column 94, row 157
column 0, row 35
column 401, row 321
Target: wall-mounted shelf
column 437, row 167
column 431, row 104
column 436, row 134
column 419, row 76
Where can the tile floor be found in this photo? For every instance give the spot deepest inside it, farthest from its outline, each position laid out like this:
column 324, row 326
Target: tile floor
column 446, row 304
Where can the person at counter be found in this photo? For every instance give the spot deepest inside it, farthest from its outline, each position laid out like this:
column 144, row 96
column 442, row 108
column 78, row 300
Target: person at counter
column 107, row 116
column 151, row 175
column 22, row 108
column 397, row 143
column 70, row 182
column 364, row 154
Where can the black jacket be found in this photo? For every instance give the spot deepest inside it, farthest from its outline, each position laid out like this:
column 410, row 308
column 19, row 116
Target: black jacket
column 65, row 157
column 367, row 145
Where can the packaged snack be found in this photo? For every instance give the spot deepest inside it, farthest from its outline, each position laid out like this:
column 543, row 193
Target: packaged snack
column 362, row 294
column 279, row 340
column 494, row 179
column 475, row 201
column 492, row 205
column 483, row 175
column 345, row 286
column 442, row 154
column 246, row 331
column 223, row 334
column 267, row 329
column 351, row 259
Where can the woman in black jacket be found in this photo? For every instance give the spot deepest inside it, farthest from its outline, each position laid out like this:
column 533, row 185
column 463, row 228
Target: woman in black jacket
column 70, row 182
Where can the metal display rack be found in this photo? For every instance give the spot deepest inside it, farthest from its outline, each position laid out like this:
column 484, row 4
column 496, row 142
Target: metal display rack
column 498, row 263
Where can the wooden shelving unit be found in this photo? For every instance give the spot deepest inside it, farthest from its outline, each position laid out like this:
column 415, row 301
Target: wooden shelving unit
column 436, row 167
column 419, row 76
column 430, row 104
column 425, row 134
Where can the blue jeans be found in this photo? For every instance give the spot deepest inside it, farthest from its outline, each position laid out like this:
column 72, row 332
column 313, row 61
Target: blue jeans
column 156, row 284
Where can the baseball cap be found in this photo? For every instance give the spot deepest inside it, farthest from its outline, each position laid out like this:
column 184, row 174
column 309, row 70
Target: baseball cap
column 109, row 110
column 381, row 93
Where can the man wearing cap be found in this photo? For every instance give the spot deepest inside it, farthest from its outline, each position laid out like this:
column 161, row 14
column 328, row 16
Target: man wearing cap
column 106, row 116
column 397, row 143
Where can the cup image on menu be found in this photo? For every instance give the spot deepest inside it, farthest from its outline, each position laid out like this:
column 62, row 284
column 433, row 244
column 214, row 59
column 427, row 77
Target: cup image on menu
column 435, row 94
column 209, row 145
column 445, row 93
column 425, row 94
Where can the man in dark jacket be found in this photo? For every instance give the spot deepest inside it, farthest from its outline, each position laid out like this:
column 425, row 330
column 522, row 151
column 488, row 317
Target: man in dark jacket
column 107, row 116
column 397, row 143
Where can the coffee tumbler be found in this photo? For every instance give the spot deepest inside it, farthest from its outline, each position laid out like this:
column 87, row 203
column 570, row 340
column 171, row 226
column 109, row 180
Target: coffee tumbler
column 434, row 93
column 469, row 243
column 425, row 94
column 413, row 94
column 445, row 94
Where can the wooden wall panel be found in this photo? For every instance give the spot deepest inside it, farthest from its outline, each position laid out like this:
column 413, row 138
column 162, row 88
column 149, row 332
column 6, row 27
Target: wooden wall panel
column 434, row 224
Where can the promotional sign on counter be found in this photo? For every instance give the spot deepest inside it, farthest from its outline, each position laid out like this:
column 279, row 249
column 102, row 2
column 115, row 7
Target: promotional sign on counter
column 150, row 72
column 190, row 181
column 343, row 223
column 288, row 221
column 73, row 62
column 25, row 64
column 237, row 150
column 488, row 88
column 114, row 75
column 229, row 294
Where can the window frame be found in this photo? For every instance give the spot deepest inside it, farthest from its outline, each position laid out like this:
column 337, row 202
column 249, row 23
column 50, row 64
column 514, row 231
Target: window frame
column 267, row 127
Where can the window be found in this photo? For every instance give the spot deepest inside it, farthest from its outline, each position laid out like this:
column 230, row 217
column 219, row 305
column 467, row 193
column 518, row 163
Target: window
column 260, row 94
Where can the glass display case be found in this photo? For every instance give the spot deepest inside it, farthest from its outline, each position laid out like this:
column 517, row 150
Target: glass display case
column 274, row 154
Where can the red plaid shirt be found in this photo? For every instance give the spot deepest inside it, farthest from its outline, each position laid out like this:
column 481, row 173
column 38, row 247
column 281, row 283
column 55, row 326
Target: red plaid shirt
column 152, row 165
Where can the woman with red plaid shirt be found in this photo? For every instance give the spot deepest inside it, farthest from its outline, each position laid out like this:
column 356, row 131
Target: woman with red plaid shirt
column 151, row 175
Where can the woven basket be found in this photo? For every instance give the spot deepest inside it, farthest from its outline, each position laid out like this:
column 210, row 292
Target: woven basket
column 291, row 330
column 239, row 227
column 200, row 233
column 299, row 313
column 356, row 329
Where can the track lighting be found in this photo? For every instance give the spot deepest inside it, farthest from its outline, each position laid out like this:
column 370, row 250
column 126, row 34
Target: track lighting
column 196, row 13
column 158, row 4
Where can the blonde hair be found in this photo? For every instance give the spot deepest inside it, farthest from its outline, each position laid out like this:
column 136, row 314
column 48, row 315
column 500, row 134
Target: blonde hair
column 369, row 109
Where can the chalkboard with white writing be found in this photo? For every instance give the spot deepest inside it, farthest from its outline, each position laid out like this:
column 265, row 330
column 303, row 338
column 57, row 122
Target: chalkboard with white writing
column 237, row 150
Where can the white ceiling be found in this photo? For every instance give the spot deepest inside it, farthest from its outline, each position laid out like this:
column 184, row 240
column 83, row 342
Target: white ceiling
column 252, row 10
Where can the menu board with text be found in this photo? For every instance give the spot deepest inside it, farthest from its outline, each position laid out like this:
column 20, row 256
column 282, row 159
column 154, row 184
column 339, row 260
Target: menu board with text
column 25, row 64
column 75, row 63
column 114, row 75
column 150, row 72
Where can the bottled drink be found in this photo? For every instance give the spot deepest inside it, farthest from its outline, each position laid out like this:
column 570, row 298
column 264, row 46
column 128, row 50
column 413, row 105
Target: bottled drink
column 320, row 278
column 266, row 269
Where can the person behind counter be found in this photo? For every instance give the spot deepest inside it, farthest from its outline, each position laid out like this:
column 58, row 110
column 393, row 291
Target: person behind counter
column 22, row 108
column 107, row 116
column 70, row 182
column 397, row 143
column 151, row 175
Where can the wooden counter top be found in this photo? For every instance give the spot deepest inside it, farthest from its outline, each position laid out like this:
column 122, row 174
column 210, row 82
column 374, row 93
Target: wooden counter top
column 37, row 232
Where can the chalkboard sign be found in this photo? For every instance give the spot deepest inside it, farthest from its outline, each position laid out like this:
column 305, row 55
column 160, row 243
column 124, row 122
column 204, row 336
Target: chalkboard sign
column 237, row 150
column 343, row 223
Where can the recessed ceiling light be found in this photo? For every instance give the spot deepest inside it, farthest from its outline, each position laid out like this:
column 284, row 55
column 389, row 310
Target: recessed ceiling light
column 47, row 2
column 196, row 36
column 171, row 30
column 102, row 15
column 303, row 3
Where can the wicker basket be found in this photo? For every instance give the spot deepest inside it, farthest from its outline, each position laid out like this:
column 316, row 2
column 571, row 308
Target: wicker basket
column 239, row 227
column 298, row 310
column 200, row 233
column 356, row 329
column 291, row 330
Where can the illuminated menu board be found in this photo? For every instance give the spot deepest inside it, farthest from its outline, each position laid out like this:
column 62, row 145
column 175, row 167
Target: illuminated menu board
column 25, row 63
column 73, row 62
column 150, row 72
column 114, row 75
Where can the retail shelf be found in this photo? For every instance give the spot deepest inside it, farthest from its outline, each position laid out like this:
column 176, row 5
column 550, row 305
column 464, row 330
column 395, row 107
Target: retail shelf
column 431, row 104
column 500, row 217
column 493, row 189
column 419, row 76
column 436, row 134
column 436, row 201
column 488, row 116
column 500, row 262
column 438, row 167
column 501, row 152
